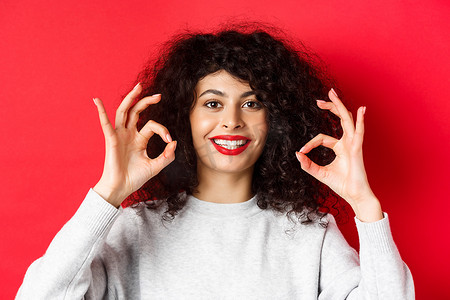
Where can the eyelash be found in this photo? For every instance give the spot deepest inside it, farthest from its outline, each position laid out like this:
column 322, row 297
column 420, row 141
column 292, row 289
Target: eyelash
column 256, row 103
column 207, row 104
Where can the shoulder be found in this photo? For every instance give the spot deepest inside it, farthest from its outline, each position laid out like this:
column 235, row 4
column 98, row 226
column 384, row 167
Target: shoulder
column 335, row 244
column 130, row 222
column 298, row 225
column 138, row 215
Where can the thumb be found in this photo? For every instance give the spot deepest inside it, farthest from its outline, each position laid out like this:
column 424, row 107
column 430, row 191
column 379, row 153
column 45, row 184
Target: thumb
column 165, row 158
column 309, row 166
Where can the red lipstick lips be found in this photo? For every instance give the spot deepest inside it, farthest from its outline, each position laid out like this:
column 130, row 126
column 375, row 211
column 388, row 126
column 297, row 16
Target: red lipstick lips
column 230, row 144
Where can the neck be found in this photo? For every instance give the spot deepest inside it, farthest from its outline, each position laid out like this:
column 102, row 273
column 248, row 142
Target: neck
column 222, row 187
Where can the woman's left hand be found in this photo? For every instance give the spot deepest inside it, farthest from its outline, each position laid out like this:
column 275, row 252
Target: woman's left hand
column 346, row 175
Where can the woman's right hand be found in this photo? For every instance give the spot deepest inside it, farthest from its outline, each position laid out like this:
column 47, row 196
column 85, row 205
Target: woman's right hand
column 127, row 166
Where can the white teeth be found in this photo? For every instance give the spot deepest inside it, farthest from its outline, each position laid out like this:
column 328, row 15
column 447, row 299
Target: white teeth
column 231, row 145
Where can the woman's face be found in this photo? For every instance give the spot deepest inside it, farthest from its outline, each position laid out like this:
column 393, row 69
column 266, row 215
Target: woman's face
column 228, row 124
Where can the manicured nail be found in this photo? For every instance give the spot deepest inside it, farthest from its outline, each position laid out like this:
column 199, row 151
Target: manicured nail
column 136, row 86
column 301, row 150
column 168, row 137
column 173, row 148
column 296, row 154
column 95, row 102
column 321, row 101
column 334, row 92
column 364, row 110
column 156, row 95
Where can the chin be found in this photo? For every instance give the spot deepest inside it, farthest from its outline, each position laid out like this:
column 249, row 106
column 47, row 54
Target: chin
column 230, row 164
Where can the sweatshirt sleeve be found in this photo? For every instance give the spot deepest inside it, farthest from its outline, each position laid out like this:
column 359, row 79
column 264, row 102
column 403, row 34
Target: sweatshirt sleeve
column 377, row 273
column 64, row 271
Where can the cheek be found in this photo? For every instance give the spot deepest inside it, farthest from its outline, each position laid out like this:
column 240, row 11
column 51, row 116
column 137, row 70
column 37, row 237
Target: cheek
column 260, row 129
column 201, row 126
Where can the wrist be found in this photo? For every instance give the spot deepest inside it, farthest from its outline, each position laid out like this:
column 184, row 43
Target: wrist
column 368, row 209
column 112, row 196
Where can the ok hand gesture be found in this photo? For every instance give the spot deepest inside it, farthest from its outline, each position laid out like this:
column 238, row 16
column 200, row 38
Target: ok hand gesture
column 346, row 175
column 127, row 166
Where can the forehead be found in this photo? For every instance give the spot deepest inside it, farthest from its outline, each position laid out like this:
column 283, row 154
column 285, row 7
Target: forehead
column 221, row 80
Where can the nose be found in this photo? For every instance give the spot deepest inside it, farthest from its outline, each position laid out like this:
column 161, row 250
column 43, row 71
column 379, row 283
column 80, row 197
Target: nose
column 232, row 119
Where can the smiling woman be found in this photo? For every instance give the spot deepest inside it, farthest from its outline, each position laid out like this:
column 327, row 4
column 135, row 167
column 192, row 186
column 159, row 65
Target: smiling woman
column 259, row 62
column 227, row 176
column 229, row 130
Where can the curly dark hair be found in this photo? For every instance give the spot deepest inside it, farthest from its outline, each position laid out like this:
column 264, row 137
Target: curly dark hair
column 287, row 80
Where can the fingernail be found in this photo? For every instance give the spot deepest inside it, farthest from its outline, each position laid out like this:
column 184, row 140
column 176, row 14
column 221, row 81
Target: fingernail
column 334, row 92
column 168, row 137
column 296, row 154
column 156, row 95
column 364, row 110
column 136, row 86
column 321, row 101
column 173, row 147
column 95, row 102
column 303, row 148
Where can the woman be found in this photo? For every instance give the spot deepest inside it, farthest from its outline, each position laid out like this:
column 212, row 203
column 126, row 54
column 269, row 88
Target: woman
column 228, row 179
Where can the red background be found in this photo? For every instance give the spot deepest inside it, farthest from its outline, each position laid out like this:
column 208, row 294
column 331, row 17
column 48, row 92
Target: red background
column 392, row 56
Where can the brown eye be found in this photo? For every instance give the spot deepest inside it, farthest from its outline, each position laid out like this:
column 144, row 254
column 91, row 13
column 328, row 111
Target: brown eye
column 252, row 104
column 213, row 104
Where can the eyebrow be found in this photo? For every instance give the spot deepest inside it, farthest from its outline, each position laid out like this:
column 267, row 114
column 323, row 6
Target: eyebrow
column 220, row 93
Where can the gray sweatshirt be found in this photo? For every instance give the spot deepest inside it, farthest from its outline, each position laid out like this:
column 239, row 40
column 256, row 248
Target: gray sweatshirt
column 213, row 251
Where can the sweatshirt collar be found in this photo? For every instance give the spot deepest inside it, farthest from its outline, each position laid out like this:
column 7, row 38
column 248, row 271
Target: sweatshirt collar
column 242, row 209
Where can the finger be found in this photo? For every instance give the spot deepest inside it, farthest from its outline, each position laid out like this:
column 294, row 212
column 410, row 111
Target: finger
column 122, row 110
column 133, row 115
column 310, row 167
column 359, row 131
column 164, row 158
column 351, row 116
column 319, row 140
column 107, row 127
column 329, row 106
column 152, row 127
column 346, row 119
